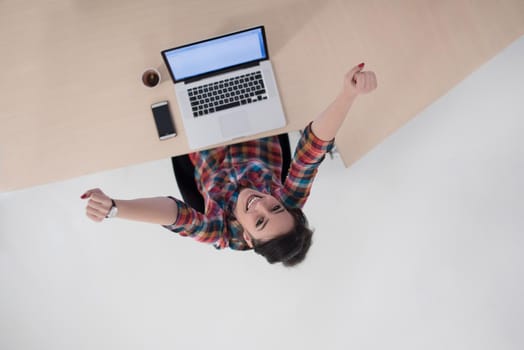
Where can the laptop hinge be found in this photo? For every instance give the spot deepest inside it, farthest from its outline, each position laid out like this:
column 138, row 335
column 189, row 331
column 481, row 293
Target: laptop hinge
column 222, row 71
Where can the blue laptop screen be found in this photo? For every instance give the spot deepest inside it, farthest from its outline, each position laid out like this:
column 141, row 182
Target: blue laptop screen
column 216, row 54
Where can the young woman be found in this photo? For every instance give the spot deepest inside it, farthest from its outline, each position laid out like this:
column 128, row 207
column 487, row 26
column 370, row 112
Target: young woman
column 246, row 204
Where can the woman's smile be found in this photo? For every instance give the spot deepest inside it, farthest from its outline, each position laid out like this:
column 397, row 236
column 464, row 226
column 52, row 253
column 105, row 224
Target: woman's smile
column 251, row 200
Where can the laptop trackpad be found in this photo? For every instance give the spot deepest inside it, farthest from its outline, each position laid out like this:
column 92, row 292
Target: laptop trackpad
column 235, row 124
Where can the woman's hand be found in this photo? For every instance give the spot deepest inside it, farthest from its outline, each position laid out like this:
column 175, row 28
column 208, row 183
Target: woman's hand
column 358, row 82
column 98, row 205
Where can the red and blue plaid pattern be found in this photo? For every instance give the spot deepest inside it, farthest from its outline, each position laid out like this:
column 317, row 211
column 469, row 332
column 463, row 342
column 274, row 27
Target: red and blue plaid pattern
column 222, row 172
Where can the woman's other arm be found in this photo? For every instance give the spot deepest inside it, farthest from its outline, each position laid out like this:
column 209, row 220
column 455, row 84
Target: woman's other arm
column 356, row 82
column 158, row 210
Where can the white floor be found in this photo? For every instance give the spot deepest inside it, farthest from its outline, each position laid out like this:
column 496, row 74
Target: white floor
column 417, row 246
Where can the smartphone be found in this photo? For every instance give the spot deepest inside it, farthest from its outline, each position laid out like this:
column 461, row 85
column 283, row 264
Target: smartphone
column 163, row 120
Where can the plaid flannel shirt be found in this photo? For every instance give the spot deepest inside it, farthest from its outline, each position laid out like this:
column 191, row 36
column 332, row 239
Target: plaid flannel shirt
column 222, row 172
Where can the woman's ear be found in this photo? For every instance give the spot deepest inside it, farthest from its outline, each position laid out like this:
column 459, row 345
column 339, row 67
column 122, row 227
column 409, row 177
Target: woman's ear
column 248, row 239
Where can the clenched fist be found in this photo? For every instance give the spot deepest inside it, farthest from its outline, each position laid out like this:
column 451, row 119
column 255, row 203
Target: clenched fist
column 357, row 81
column 98, row 205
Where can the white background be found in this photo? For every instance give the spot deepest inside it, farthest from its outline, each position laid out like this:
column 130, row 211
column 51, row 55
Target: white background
column 417, row 246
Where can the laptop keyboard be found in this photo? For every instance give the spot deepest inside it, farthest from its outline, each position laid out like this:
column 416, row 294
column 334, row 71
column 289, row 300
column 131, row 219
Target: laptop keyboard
column 227, row 93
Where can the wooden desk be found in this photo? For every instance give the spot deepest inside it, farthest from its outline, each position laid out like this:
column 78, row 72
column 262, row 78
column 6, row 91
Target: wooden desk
column 72, row 102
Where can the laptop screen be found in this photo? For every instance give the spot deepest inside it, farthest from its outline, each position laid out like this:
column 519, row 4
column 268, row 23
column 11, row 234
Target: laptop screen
column 216, row 54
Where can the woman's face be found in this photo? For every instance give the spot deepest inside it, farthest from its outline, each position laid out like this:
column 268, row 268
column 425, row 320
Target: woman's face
column 262, row 216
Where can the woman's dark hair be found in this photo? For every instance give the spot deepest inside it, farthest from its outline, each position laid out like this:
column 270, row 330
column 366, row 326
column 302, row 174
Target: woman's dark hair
column 290, row 248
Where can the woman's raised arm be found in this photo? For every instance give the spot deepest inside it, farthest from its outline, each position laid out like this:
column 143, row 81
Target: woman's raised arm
column 157, row 210
column 356, row 82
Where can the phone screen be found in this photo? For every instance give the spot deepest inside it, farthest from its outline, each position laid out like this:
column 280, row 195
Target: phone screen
column 163, row 120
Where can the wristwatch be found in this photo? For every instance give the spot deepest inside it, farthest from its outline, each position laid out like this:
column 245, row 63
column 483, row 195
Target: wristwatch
column 113, row 211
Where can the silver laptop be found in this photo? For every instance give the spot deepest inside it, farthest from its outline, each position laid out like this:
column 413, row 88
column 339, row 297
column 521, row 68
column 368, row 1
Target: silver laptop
column 225, row 87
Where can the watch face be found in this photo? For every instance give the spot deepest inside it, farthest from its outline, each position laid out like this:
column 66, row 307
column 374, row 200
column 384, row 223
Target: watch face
column 112, row 212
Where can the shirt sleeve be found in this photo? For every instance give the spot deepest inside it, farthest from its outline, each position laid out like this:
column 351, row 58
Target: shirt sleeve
column 310, row 152
column 204, row 228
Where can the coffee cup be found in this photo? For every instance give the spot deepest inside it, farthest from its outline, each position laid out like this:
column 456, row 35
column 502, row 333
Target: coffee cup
column 151, row 77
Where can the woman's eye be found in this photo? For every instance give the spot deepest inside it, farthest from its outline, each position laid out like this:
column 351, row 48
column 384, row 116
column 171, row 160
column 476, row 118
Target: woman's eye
column 259, row 222
column 276, row 207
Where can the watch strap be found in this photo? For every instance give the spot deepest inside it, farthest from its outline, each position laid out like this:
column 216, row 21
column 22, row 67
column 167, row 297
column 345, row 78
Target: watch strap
column 113, row 210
